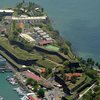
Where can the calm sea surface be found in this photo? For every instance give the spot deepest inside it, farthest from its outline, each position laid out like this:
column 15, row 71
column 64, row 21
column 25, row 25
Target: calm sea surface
column 77, row 20
column 6, row 89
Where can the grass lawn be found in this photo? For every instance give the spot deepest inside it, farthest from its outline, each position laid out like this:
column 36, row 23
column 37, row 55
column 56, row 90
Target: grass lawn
column 55, row 58
column 16, row 51
column 51, row 47
column 45, row 63
column 10, row 60
column 77, row 82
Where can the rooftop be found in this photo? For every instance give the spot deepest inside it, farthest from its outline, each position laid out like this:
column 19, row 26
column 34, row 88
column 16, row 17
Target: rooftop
column 44, row 42
column 6, row 10
column 26, row 18
column 32, row 75
column 27, row 37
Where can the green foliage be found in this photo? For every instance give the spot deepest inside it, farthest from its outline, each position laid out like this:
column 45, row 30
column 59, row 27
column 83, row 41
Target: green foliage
column 14, row 26
column 64, row 50
column 66, row 63
column 41, row 93
column 96, row 89
column 16, row 51
column 30, row 81
column 91, row 73
column 93, row 94
column 90, row 62
column 19, row 30
column 73, row 79
column 46, row 63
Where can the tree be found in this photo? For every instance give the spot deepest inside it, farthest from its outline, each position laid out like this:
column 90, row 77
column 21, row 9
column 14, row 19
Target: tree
column 91, row 73
column 14, row 26
column 30, row 81
column 64, row 50
column 90, row 62
column 19, row 30
column 99, row 66
column 73, row 70
column 41, row 93
column 73, row 79
column 66, row 63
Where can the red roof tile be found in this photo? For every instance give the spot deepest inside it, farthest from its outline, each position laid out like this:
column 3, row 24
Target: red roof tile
column 73, row 74
column 45, row 42
column 32, row 75
column 30, row 97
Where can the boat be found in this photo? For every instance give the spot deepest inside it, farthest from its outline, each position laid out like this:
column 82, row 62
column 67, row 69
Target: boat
column 20, row 91
column 11, row 80
column 24, row 98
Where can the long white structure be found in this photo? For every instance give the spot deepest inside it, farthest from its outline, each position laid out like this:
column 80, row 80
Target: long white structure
column 6, row 12
column 25, row 19
column 27, row 37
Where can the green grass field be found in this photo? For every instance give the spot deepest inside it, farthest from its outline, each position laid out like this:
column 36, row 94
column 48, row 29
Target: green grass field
column 53, row 48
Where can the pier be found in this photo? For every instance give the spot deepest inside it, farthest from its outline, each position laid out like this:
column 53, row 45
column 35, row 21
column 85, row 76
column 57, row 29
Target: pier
column 5, row 70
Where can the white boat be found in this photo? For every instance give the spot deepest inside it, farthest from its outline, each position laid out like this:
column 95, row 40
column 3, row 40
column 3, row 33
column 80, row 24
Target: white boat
column 12, row 80
column 20, row 91
column 24, row 98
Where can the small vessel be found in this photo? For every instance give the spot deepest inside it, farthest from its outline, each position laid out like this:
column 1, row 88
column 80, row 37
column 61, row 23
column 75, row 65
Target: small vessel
column 11, row 80
column 20, row 91
column 24, row 98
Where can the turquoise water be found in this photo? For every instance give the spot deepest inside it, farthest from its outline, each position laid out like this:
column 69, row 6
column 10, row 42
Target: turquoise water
column 77, row 20
column 6, row 89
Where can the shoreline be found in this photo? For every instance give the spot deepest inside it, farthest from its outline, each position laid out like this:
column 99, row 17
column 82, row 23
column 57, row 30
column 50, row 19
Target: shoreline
column 36, row 66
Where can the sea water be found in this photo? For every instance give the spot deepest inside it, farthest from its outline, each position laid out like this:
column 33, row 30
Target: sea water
column 6, row 89
column 77, row 20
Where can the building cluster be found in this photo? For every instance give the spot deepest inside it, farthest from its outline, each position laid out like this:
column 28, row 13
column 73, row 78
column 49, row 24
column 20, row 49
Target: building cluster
column 8, row 16
column 38, row 36
column 45, row 38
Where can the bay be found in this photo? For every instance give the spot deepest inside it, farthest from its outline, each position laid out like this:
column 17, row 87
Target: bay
column 77, row 20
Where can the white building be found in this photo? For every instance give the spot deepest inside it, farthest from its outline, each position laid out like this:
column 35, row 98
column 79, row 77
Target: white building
column 6, row 12
column 26, row 19
column 27, row 37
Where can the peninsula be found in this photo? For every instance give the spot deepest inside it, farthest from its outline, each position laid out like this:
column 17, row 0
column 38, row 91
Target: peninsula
column 42, row 61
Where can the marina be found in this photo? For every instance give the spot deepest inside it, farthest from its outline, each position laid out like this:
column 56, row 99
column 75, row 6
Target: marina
column 6, row 89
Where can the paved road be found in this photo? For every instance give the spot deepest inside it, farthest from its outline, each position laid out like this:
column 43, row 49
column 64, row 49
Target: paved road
column 81, row 95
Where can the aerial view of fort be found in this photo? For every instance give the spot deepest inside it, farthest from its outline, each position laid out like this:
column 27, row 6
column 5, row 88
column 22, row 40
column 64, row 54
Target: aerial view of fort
column 38, row 63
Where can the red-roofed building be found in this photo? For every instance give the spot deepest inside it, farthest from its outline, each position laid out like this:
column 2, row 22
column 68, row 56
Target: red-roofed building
column 32, row 96
column 43, row 70
column 45, row 42
column 70, row 75
column 29, row 74
column 20, row 25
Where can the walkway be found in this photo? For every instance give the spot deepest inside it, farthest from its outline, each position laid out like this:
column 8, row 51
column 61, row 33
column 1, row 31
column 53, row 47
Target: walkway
column 81, row 95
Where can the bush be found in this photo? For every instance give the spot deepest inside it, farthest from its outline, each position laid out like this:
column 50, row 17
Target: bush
column 73, row 79
column 41, row 93
column 30, row 81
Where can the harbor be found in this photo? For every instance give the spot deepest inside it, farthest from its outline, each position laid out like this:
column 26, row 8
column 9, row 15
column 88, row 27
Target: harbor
column 6, row 89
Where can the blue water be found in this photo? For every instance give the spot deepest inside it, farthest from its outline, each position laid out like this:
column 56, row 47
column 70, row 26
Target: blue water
column 6, row 89
column 77, row 20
